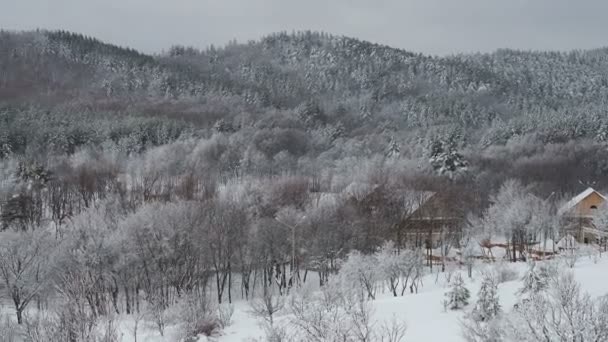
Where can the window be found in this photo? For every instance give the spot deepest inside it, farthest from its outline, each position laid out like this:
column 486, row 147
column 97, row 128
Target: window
column 594, row 207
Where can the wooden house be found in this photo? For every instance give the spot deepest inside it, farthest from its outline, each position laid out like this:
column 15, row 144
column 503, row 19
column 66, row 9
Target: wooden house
column 577, row 216
column 433, row 218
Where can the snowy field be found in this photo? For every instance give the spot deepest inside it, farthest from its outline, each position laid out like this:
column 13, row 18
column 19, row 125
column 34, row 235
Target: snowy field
column 423, row 312
column 426, row 319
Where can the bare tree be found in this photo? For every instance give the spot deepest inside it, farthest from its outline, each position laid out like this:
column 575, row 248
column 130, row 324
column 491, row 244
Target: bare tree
column 267, row 306
column 137, row 319
column 25, row 267
column 562, row 313
column 362, row 272
column 392, row 331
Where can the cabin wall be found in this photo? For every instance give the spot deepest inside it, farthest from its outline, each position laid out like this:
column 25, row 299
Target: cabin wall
column 584, row 208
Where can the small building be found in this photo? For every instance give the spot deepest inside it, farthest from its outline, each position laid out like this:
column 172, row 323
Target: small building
column 434, row 218
column 577, row 216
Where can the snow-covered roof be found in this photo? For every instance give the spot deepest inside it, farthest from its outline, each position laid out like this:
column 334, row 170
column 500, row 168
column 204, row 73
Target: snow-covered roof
column 594, row 231
column 359, row 190
column 414, row 199
column 577, row 199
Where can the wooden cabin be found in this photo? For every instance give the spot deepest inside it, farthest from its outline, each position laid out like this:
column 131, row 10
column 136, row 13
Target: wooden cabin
column 577, row 216
column 433, row 219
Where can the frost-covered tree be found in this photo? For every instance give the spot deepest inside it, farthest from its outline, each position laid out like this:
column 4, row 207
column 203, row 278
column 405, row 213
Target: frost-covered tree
column 478, row 331
column 458, row 296
column 487, row 306
column 511, row 215
column 400, row 268
column 564, row 314
column 394, row 150
column 337, row 313
column 363, row 272
column 393, row 266
column 26, row 267
column 445, row 157
column 534, row 281
column 470, row 247
column 267, row 306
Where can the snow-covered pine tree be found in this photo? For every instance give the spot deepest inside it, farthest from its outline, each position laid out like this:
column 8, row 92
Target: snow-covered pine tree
column 5, row 144
column 458, row 296
column 445, row 158
column 394, row 151
column 487, row 305
column 310, row 113
column 534, row 281
column 223, row 126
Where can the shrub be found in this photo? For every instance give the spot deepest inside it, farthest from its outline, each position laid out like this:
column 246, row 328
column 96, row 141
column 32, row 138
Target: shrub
column 9, row 330
column 224, row 315
column 199, row 317
column 504, row 272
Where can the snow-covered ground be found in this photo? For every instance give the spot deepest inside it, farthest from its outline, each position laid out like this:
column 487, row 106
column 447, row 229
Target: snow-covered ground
column 423, row 312
column 426, row 319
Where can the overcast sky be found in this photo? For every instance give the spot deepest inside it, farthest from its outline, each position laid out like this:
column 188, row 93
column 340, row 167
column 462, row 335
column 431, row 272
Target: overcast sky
column 429, row 26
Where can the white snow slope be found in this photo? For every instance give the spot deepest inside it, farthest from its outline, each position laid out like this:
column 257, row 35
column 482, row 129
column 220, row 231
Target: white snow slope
column 423, row 312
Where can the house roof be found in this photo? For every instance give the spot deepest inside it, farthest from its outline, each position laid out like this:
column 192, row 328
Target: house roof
column 594, row 231
column 414, row 199
column 577, row 199
column 359, row 189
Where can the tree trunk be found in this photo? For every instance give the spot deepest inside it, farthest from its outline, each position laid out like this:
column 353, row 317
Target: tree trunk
column 137, row 297
column 115, row 296
column 229, row 284
column 19, row 316
column 217, row 284
column 127, row 301
column 514, row 250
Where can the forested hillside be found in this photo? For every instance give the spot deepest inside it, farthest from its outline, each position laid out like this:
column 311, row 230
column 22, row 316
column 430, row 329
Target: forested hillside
column 306, row 96
column 133, row 181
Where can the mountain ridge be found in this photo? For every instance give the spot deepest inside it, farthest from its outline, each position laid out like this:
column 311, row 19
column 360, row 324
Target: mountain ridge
column 316, row 86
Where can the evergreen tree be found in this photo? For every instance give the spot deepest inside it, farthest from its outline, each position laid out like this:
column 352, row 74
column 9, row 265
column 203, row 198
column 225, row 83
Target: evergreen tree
column 458, row 296
column 445, row 158
column 487, row 306
column 394, row 151
column 310, row 113
column 223, row 126
column 534, row 281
